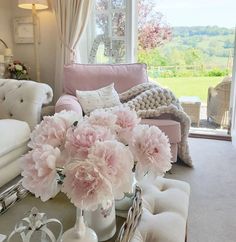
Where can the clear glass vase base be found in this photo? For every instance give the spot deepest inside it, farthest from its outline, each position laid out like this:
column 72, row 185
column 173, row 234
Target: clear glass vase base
column 71, row 235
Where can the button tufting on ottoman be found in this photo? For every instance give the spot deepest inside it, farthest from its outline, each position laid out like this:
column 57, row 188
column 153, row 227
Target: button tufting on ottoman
column 165, row 211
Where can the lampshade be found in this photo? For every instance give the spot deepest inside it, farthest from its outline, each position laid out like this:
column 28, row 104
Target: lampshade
column 8, row 52
column 28, row 4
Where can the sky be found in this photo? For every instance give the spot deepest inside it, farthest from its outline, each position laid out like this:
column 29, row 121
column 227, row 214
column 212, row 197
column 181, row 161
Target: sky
column 198, row 12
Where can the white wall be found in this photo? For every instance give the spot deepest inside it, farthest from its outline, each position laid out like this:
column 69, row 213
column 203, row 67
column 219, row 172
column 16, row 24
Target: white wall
column 5, row 24
column 47, row 46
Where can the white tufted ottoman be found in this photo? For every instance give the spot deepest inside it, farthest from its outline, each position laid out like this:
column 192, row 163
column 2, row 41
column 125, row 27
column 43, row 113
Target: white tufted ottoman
column 165, row 211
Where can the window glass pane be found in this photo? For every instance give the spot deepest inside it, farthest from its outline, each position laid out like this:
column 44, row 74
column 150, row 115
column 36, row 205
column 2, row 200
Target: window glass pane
column 118, row 24
column 118, row 4
column 101, row 24
column 118, row 51
column 109, row 34
column 101, row 57
column 101, row 5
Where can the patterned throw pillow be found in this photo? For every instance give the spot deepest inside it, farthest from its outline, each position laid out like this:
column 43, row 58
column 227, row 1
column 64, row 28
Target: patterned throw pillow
column 105, row 97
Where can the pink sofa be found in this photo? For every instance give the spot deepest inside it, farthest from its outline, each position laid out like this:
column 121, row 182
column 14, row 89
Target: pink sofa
column 92, row 77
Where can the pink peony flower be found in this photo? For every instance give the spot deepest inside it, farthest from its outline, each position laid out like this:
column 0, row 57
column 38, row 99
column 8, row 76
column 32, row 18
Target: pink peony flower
column 117, row 163
column 80, row 139
column 39, row 171
column 52, row 130
column 102, row 117
column 126, row 121
column 86, row 186
column 151, row 149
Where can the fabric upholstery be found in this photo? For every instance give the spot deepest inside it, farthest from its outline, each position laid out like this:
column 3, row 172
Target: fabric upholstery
column 23, row 100
column 90, row 77
column 13, row 154
column 10, row 171
column 170, row 127
column 68, row 102
column 15, row 134
column 20, row 110
column 165, row 211
column 104, row 97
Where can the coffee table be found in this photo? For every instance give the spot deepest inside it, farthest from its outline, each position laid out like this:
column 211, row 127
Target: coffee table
column 59, row 208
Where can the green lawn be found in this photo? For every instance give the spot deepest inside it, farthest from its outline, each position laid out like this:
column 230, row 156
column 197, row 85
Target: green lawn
column 190, row 86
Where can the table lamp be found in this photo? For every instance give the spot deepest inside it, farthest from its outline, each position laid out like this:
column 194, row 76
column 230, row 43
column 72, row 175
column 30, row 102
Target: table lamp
column 34, row 5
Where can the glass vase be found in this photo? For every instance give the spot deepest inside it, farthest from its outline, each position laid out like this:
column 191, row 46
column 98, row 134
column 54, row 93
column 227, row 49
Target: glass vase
column 80, row 232
column 102, row 220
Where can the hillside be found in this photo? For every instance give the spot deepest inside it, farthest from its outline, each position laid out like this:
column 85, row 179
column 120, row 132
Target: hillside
column 210, row 46
column 201, row 30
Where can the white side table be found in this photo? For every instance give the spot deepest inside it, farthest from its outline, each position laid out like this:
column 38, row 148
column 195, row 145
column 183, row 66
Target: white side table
column 191, row 106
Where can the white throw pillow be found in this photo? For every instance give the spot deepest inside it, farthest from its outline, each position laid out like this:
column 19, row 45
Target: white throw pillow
column 105, row 97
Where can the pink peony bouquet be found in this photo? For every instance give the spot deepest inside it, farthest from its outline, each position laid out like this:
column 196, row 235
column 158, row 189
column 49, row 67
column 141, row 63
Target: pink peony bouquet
column 94, row 155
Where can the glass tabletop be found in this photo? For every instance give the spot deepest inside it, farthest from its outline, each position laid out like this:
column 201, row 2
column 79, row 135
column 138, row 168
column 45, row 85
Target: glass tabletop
column 58, row 207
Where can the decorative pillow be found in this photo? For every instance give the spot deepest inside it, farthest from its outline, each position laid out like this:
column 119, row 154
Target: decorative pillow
column 105, row 97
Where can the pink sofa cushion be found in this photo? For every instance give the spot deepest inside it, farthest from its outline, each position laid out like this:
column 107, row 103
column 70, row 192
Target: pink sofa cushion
column 91, row 77
column 170, row 127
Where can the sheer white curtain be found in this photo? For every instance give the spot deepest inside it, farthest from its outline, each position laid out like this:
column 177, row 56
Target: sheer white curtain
column 71, row 18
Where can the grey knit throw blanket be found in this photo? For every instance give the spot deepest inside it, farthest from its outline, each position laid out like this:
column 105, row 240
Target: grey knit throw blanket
column 152, row 101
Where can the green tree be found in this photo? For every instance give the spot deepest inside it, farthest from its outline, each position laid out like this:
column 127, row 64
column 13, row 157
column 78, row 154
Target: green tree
column 151, row 57
column 193, row 56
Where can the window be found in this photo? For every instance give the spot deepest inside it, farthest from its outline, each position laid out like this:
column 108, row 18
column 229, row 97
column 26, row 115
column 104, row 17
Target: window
column 111, row 32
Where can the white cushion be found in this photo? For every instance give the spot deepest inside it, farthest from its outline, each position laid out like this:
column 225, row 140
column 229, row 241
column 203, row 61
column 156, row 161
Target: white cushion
column 165, row 211
column 14, row 134
column 10, row 171
column 105, row 97
column 13, row 155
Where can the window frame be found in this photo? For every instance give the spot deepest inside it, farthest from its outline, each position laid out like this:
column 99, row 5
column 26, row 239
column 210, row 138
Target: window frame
column 130, row 37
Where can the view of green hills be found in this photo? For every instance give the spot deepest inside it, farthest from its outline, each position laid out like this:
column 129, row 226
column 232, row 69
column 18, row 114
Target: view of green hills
column 192, row 61
column 214, row 44
column 197, row 51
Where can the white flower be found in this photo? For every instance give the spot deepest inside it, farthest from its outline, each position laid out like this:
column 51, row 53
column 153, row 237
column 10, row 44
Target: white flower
column 18, row 67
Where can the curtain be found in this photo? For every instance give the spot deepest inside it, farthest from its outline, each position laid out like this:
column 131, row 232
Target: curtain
column 71, row 19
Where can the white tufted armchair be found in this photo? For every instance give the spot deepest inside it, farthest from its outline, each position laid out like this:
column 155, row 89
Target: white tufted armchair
column 20, row 110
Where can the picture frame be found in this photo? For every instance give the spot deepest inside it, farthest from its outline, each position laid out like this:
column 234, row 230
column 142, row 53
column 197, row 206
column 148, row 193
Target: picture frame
column 24, row 30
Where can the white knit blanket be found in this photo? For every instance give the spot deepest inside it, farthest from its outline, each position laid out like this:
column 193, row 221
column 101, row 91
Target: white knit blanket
column 152, row 101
